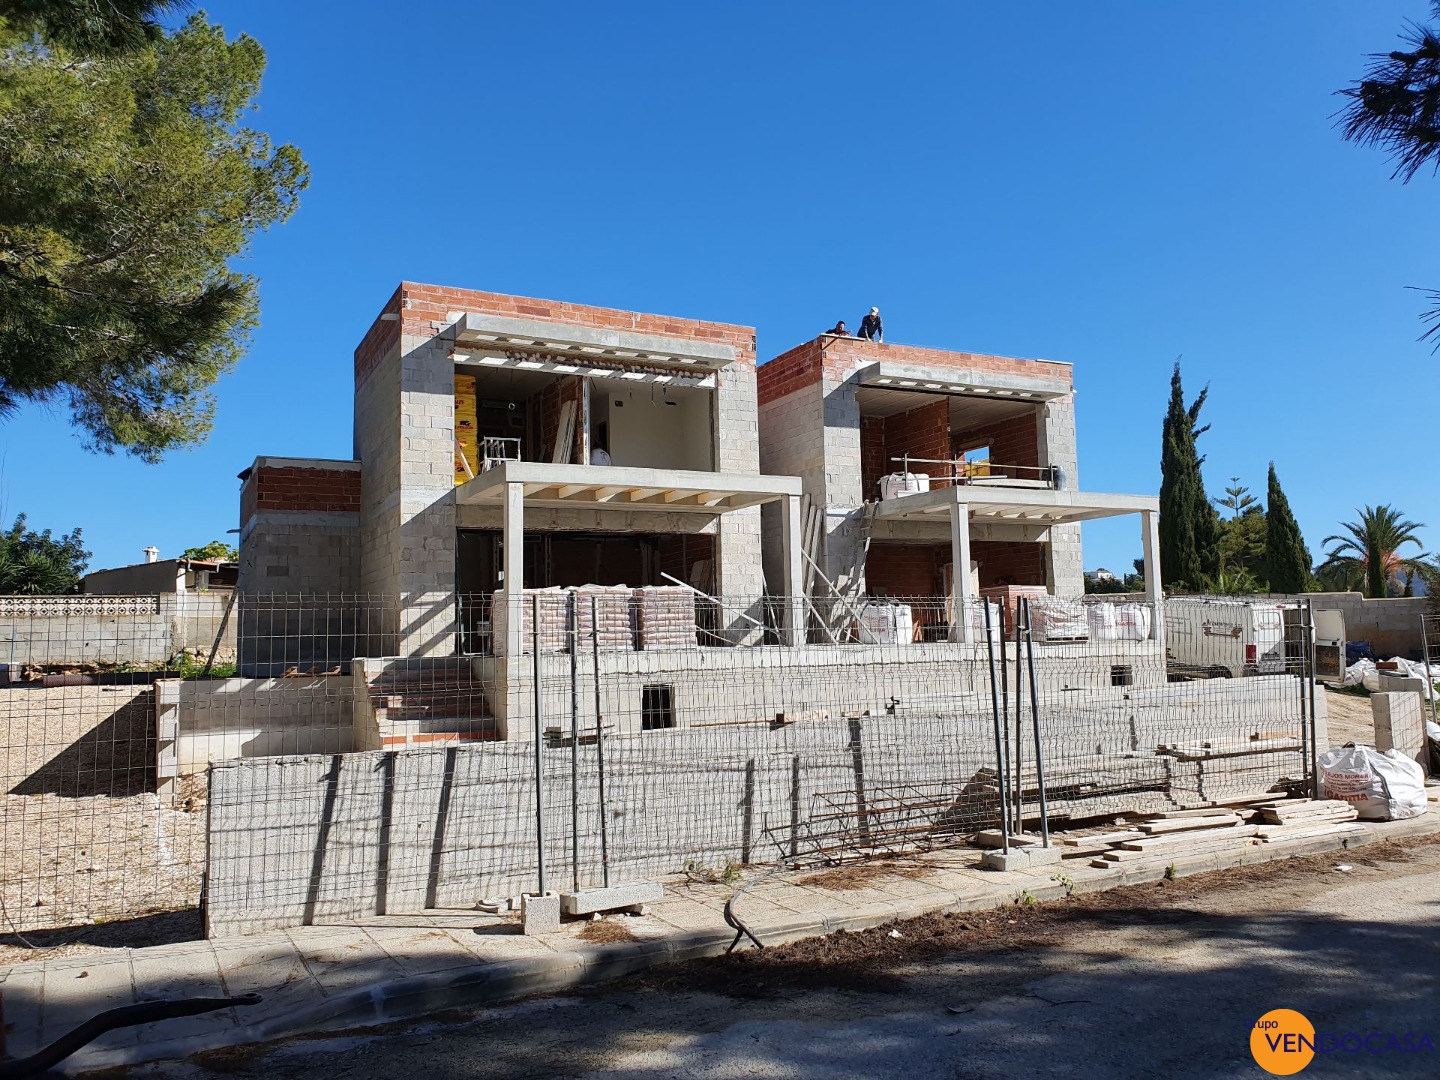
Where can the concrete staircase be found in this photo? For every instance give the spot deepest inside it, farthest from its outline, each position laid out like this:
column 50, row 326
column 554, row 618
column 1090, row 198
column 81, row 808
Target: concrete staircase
column 429, row 703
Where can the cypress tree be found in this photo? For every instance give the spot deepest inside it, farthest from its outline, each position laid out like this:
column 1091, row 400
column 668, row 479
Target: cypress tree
column 1287, row 559
column 1189, row 533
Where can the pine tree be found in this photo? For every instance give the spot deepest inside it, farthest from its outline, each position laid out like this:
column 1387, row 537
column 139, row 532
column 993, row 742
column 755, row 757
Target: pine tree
column 1189, row 532
column 1287, row 559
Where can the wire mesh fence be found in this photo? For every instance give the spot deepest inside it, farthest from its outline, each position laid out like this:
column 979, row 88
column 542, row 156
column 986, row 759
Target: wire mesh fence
column 313, row 759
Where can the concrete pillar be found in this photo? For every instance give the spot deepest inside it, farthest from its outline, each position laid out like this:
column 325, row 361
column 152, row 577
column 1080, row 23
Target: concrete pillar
column 1150, row 542
column 790, row 546
column 960, row 598
column 513, row 586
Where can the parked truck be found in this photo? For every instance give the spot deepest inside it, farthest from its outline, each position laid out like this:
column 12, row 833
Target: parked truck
column 1222, row 639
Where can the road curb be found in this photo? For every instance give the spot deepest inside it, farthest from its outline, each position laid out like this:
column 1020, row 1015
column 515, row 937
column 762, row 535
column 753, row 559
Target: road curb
column 414, row 997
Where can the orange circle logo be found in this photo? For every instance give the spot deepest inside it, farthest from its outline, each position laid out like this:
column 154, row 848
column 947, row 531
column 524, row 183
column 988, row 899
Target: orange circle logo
column 1282, row 1042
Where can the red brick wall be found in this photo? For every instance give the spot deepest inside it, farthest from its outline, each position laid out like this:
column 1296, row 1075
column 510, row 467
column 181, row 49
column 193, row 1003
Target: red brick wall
column 789, row 371
column 922, row 433
column 678, row 552
column 381, row 337
column 1015, row 441
column 545, row 418
column 299, row 489
column 918, row 569
column 905, row 569
column 1003, row 563
column 846, row 354
column 421, row 305
column 839, row 356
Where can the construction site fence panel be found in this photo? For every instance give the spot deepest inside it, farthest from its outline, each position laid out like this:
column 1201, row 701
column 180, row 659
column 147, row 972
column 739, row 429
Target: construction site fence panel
column 301, row 785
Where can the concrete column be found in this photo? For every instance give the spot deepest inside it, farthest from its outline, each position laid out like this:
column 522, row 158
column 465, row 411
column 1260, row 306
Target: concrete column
column 512, row 588
column 1150, row 540
column 960, row 598
column 790, row 545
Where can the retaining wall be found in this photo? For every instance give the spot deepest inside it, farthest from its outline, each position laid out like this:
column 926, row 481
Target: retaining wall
column 314, row 839
column 204, row 720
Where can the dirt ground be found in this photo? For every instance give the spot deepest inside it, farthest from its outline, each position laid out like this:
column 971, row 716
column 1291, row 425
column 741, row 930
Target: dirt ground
column 1164, row 979
column 1350, row 718
column 86, row 839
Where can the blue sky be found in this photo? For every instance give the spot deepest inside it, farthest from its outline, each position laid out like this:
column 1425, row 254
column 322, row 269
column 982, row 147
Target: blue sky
column 1113, row 185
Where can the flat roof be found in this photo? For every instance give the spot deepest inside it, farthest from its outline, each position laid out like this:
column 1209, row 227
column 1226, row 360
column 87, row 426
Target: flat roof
column 1020, row 505
column 612, row 487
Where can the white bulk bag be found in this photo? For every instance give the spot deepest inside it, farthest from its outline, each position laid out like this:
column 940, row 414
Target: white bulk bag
column 1118, row 622
column 1381, row 787
column 898, row 485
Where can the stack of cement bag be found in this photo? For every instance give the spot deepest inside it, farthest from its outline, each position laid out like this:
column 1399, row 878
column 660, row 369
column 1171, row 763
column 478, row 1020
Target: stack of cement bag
column 1054, row 619
column 553, row 606
column 666, row 617
column 608, row 612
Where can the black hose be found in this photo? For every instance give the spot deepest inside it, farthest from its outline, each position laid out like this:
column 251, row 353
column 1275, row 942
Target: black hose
column 147, row 1012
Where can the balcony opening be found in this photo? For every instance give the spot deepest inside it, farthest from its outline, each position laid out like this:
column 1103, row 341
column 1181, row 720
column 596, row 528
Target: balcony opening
column 943, row 439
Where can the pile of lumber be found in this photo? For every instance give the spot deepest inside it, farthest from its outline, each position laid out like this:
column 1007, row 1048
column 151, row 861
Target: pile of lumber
column 1174, row 834
column 1220, row 829
column 1298, row 819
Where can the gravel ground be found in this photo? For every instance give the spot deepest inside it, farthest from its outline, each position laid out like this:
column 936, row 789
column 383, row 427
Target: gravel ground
column 85, row 837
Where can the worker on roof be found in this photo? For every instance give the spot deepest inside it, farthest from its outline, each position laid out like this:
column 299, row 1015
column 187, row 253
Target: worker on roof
column 871, row 329
column 839, row 329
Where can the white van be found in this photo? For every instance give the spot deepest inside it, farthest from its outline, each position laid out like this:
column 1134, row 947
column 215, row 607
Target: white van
column 1224, row 638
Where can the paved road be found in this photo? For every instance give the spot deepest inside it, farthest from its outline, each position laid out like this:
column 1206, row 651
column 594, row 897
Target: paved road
column 1162, row 988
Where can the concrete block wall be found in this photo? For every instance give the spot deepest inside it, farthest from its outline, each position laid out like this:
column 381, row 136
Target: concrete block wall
column 1391, row 625
column 144, row 631
column 414, row 829
column 300, row 527
column 203, row 720
column 1400, row 724
column 1065, row 569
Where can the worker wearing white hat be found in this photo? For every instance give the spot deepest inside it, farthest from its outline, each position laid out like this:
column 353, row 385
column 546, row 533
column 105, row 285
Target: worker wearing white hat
column 871, row 328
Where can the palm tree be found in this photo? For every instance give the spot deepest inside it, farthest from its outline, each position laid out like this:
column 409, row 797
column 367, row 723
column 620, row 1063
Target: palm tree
column 1372, row 547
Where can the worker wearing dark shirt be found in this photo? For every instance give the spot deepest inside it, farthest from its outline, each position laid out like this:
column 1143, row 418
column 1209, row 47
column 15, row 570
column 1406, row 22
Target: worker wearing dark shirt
column 871, row 329
column 839, row 329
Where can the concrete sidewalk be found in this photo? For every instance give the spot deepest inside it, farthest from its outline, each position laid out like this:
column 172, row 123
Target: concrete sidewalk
column 319, row 979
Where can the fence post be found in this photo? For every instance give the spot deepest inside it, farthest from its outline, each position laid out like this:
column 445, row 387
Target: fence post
column 1429, row 679
column 599, row 742
column 1035, row 717
column 1019, row 729
column 574, row 620
column 857, row 760
column 539, row 737
column 1310, row 683
column 1002, row 767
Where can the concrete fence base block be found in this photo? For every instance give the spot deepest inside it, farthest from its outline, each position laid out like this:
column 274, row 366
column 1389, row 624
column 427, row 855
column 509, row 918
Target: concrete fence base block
column 1019, row 858
column 541, row 913
column 993, row 838
column 587, row 901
